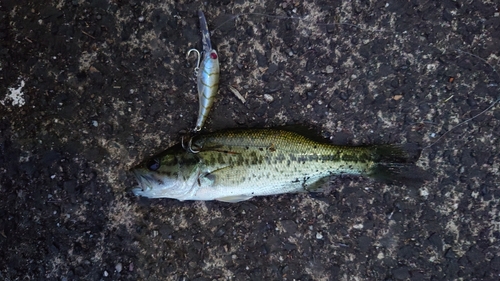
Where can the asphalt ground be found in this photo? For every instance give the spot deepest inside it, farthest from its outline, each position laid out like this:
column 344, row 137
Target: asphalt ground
column 88, row 89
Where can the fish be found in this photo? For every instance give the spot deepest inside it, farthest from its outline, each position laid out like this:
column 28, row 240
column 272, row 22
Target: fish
column 207, row 74
column 238, row 164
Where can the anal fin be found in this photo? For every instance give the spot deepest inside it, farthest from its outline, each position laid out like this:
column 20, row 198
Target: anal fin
column 234, row 198
column 316, row 185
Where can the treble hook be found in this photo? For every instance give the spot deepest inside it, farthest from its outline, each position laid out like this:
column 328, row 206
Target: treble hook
column 197, row 68
column 189, row 145
column 182, row 143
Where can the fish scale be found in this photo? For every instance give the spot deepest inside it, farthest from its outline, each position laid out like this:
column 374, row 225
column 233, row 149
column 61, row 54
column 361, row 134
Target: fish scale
column 236, row 165
column 275, row 161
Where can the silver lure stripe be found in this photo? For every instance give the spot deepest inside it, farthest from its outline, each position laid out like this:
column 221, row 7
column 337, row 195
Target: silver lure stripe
column 208, row 75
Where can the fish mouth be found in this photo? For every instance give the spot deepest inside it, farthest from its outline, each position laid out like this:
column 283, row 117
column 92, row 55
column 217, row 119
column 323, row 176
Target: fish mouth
column 145, row 183
column 154, row 185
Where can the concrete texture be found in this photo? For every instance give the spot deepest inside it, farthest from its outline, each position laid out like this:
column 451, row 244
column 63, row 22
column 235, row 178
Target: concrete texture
column 88, row 89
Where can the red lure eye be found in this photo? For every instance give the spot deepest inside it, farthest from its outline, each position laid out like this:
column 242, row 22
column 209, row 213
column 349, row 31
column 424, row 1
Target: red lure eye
column 213, row 55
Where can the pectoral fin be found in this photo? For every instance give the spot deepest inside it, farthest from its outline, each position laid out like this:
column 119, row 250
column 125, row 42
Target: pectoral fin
column 234, row 199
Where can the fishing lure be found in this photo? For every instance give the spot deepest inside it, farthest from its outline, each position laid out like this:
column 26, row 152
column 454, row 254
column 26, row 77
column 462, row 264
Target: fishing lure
column 206, row 72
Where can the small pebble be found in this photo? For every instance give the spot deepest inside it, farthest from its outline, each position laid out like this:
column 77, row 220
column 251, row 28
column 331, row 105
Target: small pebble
column 424, row 192
column 106, row 274
column 397, row 97
column 268, row 98
column 329, row 69
column 118, row 267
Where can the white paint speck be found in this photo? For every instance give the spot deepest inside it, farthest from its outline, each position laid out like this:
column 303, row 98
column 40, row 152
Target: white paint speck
column 319, row 235
column 474, row 194
column 16, row 96
column 424, row 192
column 358, row 226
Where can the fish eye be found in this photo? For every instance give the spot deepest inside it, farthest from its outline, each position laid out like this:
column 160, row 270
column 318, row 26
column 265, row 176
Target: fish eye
column 154, row 164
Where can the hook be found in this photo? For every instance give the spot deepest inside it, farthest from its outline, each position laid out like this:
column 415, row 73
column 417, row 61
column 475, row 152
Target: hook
column 189, row 146
column 197, row 68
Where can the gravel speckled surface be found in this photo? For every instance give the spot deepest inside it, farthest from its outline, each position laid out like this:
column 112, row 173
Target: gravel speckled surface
column 88, row 89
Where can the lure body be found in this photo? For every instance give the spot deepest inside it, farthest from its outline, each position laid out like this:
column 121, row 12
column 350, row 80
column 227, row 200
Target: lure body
column 207, row 73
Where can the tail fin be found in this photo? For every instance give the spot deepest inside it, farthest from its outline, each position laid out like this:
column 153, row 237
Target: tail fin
column 396, row 165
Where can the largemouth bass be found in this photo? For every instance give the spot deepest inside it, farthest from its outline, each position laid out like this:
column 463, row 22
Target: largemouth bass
column 236, row 165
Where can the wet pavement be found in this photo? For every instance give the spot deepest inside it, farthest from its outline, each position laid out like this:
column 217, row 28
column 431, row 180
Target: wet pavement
column 88, row 89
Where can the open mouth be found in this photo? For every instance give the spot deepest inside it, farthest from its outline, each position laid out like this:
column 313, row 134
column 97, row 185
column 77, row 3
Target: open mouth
column 144, row 181
column 144, row 185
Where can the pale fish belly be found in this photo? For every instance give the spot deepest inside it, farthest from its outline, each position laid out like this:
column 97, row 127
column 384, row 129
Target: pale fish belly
column 273, row 175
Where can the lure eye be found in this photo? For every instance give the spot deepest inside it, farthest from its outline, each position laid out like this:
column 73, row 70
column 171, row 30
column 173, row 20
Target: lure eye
column 213, row 55
column 154, row 164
